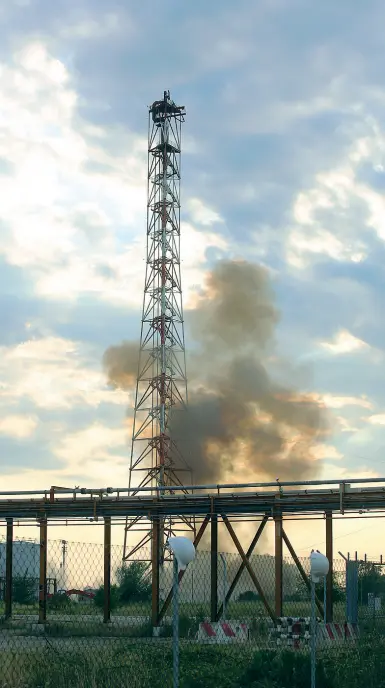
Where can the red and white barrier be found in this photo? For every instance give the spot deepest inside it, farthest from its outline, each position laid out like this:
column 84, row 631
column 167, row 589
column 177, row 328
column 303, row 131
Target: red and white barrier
column 223, row 632
column 338, row 632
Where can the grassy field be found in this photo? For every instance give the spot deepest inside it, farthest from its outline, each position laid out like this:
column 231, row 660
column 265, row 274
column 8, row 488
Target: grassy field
column 149, row 666
column 234, row 610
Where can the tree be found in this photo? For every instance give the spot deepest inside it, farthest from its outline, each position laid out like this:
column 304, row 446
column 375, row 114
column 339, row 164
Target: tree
column 134, row 583
column 114, row 597
column 248, row 596
column 370, row 580
column 338, row 593
column 59, row 601
column 24, row 590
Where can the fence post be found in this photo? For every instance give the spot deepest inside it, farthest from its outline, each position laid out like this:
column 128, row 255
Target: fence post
column 214, row 567
column 352, row 592
column 43, row 572
column 107, row 569
column 278, row 566
column 329, row 577
column 155, row 557
column 8, row 569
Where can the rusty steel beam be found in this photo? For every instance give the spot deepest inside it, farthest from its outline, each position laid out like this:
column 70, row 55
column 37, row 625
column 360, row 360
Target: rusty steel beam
column 278, row 566
column 248, row 566
column 43, row 572
column 107, row 570
column 329, row 577
column 214, row 568
column 242, row 565
column 155, row 564
column 301, row 570
column 8, row 569
column 197, row 540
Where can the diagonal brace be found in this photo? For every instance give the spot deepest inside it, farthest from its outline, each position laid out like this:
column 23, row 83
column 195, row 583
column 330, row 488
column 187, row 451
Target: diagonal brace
column 197, row 540
column 242, row 565
column 248, row 566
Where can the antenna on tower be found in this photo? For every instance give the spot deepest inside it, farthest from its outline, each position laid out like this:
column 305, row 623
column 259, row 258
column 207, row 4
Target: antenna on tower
column 161, row 388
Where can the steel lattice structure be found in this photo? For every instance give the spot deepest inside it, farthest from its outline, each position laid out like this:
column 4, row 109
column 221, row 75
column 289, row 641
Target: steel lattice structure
column 162, row 383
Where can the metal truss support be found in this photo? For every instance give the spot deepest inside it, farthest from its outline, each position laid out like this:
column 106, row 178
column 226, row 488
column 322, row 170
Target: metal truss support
column 243, row 565
column 301, row 570
column 248, row 567
column 107, row 570
column 8, row 569
column 161, row 390
column 43, row 572
column 278, row 566
column 214, row 568
column 329, row 577
column 197, row 540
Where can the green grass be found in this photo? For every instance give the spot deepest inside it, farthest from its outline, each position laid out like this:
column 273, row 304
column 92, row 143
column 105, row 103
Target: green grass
column 148, row 665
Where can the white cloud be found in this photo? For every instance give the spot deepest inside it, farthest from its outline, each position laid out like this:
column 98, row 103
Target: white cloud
column 89, row 451
column 86, row 28
column 53, row 373
column 74, row 213
column 344, row 343
column 18, row 426
column 326, row 215
column 333, row 401
column 326, row 451
column 377, row 419
column 201, row 214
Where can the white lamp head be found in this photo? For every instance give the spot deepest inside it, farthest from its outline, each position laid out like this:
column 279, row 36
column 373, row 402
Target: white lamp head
column 183, row 549
column 319, row 566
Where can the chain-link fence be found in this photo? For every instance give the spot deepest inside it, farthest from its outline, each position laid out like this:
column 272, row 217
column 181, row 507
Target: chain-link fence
column 75, row 643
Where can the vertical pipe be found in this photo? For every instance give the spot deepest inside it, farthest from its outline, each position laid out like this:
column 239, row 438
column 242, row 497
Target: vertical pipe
column 175, row 626
column 43, row 572
column 8, row 569
column 329, row 577
column 278, row 566
column 107, row 570
column 155, row 541
column 214, row 567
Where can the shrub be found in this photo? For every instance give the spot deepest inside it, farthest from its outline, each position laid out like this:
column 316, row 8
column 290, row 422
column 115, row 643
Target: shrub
column 59, row 601
column 248, row 596
column 24, row 590
column 134, row 583
column 283, row 669
column 114, row 597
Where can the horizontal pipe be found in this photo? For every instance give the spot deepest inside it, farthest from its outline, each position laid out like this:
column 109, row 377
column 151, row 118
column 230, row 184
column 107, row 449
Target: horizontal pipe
column 192, row 488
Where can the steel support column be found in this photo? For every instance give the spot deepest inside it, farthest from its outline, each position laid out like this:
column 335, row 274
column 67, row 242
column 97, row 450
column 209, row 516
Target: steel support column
column 43, row 572
column 8, row 569
column 329, row 577
column 155, row 558
column 214, row 567
column 107, row 570
column 278, row 566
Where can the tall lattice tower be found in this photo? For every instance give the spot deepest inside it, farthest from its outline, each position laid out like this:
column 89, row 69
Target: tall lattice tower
column 162, row 384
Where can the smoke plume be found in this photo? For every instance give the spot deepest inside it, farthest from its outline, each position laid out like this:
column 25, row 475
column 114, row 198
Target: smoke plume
column 240, row 424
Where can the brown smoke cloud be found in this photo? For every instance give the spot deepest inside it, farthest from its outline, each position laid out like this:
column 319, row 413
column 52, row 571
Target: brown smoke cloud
column 240, row 423
column 121, row 365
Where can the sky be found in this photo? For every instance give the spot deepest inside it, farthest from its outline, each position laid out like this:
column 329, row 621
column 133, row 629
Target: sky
column 283, row 164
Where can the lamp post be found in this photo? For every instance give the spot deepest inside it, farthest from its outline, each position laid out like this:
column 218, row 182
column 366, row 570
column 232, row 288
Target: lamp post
column 184, row 552
column 319, row 567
